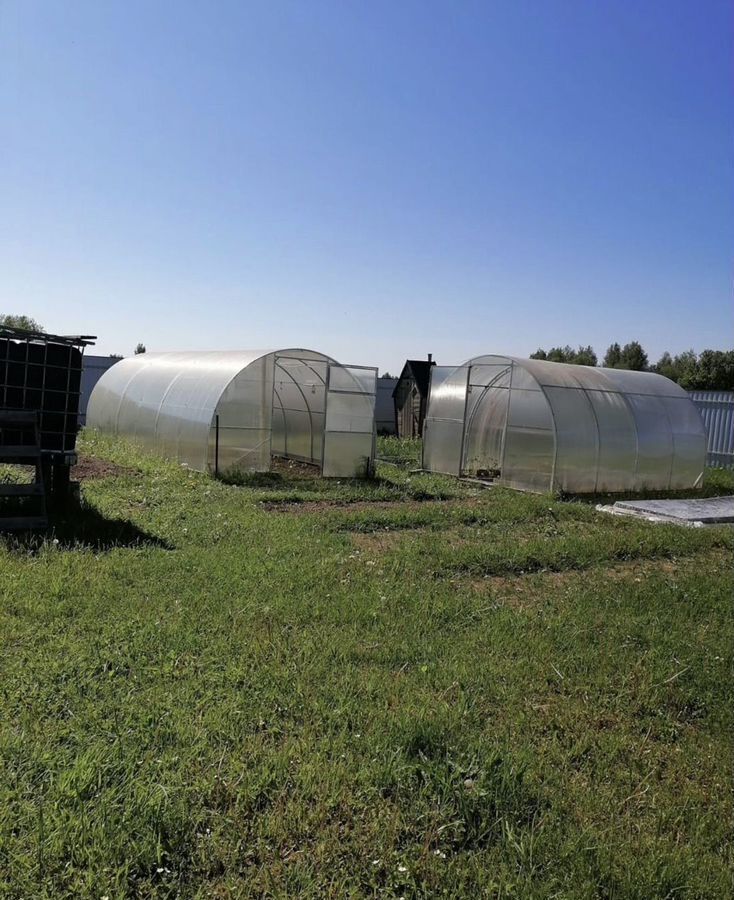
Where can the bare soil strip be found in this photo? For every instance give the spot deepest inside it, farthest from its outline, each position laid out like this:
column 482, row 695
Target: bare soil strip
column 88, row 468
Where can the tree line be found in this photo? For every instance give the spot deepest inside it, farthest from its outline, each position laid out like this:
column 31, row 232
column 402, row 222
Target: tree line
column 709, row 370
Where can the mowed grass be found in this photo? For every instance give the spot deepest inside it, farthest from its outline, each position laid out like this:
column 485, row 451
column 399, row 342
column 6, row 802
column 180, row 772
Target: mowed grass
column 407, row 688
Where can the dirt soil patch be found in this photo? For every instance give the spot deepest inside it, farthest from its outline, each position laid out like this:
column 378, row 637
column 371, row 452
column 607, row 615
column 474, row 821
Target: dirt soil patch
column 294, row 467
column 88, row 467
column 382, row 541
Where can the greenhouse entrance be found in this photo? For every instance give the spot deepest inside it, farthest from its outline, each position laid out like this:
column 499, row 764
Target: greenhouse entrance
column 467, row 412
column 324, row 414
column 349, row 429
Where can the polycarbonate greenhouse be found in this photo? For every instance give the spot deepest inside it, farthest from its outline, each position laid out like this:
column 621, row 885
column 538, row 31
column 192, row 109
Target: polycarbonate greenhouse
column 543, row 426
column 225, row 411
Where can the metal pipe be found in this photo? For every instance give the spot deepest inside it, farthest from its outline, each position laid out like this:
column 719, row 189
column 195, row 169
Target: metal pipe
column 216, row 445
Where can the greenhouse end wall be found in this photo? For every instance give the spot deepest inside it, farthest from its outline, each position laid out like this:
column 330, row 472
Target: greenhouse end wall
column 540, row 426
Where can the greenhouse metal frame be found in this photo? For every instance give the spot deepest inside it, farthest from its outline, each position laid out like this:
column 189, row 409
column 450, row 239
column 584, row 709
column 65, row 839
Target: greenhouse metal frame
column 543, row 426
column 229, row 411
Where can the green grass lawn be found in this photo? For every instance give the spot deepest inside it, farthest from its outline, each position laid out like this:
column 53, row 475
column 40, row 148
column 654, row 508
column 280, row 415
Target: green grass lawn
column 408, row 688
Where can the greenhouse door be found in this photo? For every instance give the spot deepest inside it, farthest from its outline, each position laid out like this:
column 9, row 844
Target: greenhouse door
column 443, row 429
column 349, row 427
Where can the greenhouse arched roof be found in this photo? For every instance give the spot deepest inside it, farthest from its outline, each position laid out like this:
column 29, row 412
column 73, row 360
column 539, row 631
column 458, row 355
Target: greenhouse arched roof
column 226, row 410
column 539, row 425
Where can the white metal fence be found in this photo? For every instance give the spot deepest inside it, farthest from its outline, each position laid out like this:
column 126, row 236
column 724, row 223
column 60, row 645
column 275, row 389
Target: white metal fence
column 717, row 412
column 93, row 368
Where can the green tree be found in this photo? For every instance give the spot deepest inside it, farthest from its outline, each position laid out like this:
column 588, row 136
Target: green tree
column 680, row 368
column 633, row 357
column 584, row 356
column 666, row 366
column 555, row 354
column 714, row 372
column 26, row 322
column 613, row 356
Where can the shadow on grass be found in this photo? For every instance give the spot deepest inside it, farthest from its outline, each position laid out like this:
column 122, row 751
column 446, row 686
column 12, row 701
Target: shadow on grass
column 717, row 483
column 298, row 488
column 284, row 474
column 287, row 481
column 269, row 480
column 77, row 526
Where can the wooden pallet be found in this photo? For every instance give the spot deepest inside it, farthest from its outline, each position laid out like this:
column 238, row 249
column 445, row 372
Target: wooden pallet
column 28, row 454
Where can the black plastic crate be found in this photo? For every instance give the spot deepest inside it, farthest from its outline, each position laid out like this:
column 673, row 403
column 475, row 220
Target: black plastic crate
column 42, row 373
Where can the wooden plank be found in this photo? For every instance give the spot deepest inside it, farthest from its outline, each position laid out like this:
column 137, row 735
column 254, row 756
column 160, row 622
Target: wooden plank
column 19, row 451
column 18, row 416
column 21, row 490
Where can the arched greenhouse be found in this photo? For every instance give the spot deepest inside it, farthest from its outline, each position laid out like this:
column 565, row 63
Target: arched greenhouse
column 224, row 411
column 543, row 426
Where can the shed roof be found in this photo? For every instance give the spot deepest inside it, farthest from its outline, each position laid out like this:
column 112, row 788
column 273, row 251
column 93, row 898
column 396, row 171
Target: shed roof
column 419, row 370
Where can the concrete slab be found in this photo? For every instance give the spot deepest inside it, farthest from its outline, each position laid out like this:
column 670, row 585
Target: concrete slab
column 697, row 512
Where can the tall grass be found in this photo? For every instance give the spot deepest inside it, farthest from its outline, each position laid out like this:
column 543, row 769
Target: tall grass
column 299, row 688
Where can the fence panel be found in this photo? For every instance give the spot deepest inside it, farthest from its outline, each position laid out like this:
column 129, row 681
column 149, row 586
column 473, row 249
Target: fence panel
column 717, row 412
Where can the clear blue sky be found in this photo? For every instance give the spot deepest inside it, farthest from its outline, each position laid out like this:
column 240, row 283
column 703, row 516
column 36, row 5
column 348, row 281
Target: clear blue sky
column 374, row 179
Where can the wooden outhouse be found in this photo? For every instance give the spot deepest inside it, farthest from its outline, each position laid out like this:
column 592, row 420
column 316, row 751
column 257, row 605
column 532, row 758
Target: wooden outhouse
column 411, row 396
